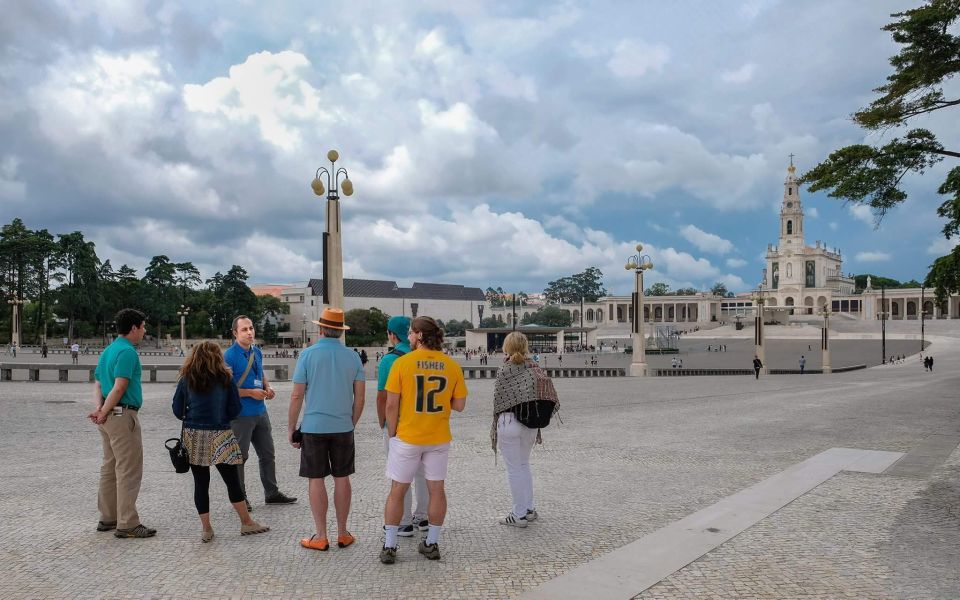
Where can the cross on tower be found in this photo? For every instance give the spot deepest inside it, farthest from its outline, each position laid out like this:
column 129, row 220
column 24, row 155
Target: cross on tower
column 791, row 159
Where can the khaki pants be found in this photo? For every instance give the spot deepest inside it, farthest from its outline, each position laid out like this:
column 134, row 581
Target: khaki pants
column 122, row 470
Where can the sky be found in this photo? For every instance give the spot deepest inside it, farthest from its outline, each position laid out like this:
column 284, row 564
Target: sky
column 490, row 143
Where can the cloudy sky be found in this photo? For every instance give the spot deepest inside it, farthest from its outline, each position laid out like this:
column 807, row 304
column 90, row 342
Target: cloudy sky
column 490, row 143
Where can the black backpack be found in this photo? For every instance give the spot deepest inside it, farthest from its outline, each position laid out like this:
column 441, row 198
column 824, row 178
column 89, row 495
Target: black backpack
column 535, row 414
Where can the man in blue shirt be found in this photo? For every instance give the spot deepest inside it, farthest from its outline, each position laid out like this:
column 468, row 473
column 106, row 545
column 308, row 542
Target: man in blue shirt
column 118, row 397
column 328, row 384
column 397, row 329
column 253, row 424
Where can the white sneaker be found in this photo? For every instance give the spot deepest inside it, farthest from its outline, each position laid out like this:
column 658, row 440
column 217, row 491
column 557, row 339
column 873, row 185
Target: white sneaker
column 513, row 521
column 531, row 515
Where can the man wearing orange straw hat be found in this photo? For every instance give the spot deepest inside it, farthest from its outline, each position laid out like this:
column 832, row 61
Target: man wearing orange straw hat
column 328, row 384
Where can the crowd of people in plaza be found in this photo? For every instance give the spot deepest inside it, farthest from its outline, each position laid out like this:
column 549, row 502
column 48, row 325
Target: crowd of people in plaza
column 221, row 400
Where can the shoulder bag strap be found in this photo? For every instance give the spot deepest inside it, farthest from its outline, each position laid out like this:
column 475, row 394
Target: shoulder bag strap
column 247, row 371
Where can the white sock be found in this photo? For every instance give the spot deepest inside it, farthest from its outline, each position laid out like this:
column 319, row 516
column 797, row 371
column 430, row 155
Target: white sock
column 433, row 534
column 391, row 541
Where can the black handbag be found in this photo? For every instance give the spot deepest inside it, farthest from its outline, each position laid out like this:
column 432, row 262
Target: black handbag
column 178, row 452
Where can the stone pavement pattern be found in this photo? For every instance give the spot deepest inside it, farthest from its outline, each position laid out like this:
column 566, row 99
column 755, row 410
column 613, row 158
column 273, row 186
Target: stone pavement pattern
column 629, row 458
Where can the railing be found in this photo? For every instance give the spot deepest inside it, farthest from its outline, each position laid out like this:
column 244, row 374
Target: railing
column 487, row 372
column 280, row 372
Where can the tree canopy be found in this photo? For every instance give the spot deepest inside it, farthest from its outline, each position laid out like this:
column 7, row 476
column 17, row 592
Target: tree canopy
column 657, row 289
column 548, row 316
column 872, row 175
column 587, row 285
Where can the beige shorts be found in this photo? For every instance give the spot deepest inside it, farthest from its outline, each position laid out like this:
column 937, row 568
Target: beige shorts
column 404, row 459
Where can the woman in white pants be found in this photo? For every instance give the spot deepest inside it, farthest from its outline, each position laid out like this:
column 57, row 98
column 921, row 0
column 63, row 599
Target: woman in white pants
column 516, row 385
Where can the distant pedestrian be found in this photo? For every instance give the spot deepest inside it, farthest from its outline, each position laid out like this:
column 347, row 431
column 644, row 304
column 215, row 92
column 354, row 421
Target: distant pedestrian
column 363, row 357
column 679, row 363
column 673, row 363
column 43, row 350
column 803, row 363
column 757, row 365
column 75, row 352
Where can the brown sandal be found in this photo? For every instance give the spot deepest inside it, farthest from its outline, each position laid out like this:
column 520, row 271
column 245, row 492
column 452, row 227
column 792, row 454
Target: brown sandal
column 253, row 528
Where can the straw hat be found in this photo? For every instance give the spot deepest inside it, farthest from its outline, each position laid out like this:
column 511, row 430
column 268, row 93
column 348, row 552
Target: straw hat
column 332, row 318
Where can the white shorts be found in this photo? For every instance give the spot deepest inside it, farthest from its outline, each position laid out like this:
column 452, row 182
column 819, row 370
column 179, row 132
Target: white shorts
column 404, row 459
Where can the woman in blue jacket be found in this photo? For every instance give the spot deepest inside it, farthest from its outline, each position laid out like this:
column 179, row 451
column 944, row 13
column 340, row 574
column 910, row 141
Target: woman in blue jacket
column 206, row 400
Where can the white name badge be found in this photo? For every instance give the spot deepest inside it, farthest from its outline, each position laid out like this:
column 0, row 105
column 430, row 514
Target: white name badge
column 257, row 384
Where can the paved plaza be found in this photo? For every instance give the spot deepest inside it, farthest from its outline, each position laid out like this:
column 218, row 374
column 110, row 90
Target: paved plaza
column 631, row 458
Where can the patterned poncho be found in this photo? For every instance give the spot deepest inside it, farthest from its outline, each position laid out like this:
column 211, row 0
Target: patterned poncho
column 517, row 384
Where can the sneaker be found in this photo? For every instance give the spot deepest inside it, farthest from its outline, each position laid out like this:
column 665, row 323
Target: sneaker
column 135, row 532
column 403, row 531
column 422, row 524
column 388, row 556
column 101, row 526
column 531, row 515
column 280, row 498
column 514, row 521
column 431, row 551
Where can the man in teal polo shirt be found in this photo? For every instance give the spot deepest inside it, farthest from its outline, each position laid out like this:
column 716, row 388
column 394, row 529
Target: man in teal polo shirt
column 118, row 396
column 328, row 384
column 397, row 330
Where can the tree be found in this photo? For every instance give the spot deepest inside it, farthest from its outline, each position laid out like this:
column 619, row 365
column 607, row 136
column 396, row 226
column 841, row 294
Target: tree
column 864, row 174
column 368, row 327
column 548, row 316
column 587, row 285
column 160, row 301
column 688, row 291
column 490, row 322
column 230, row 297
column 78, row 265
column 495, row 297
column 719, row 289
column 657, row 289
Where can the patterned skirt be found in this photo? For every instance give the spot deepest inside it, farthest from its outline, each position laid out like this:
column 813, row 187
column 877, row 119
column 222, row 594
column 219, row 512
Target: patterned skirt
column 212, row 447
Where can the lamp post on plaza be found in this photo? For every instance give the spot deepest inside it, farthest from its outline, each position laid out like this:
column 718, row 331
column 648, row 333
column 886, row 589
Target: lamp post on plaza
column 825, row 312
column 882, row 315
column 332, row 247
column 758, row 333
column 638, row 263
column 303, row 331
column 513, row 320
column 182, row 313
column 480, row 315
column 15, row 304
column 923, row 315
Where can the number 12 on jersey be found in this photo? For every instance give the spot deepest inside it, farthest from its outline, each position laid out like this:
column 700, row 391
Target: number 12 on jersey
column 428, row 386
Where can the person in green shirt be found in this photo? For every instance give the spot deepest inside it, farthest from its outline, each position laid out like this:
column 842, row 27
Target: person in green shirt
column 118, row 396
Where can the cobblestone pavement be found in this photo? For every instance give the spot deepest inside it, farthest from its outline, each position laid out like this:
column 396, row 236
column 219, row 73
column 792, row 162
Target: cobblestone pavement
column 630, row 457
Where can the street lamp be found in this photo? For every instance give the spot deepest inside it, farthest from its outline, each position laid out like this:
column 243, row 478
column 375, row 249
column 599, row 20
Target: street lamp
column 480, row 314
column 825, row 312
column 303, row 331
column 923, row 314
column 182, row 313
column 638, row 263
column 332, row 247
column 882, row 315
column 758, row 332
column 15, row 304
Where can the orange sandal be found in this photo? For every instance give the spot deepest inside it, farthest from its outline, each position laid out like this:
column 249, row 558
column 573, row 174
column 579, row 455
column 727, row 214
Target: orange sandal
column 345, row 539
column 315, row 543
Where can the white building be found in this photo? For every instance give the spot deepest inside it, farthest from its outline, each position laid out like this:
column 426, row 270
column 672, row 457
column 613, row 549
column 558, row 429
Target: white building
column 438, row 300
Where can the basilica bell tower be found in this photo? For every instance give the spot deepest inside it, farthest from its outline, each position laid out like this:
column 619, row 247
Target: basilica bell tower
column 791, row 213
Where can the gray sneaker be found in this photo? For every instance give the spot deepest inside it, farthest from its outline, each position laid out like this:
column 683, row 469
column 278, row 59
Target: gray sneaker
column 388, row 555
column 136, row 532
column 531, row 515
column 514, row 521
column 431, row 551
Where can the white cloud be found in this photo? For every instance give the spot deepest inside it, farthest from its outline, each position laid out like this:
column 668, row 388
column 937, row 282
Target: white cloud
column 634, row 58
column 741, row 75
column 942, row 246
column 812, row 212
column 736, row 263
column 11, row 188
column 862, row 212
column 872, row 257
column 832, row 225
column 706, row 242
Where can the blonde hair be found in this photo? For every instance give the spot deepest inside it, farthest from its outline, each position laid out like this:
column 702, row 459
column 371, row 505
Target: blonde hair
column 516, row 347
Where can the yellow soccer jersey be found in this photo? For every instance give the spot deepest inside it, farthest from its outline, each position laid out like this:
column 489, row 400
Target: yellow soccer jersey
column 426, row 381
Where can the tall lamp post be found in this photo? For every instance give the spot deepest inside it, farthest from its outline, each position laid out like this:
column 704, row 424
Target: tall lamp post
column 882, row 315
column 923, row 315
column 332, row 246
column 15, row 303
column 182, row 313
column 758, row 329
column 480, row 315
column 638, row 263
column 825, row 312
column 303, row 331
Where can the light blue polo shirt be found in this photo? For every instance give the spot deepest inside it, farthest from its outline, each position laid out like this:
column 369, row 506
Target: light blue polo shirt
column 328, row 368
column 121, row 359
column 236, row 358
